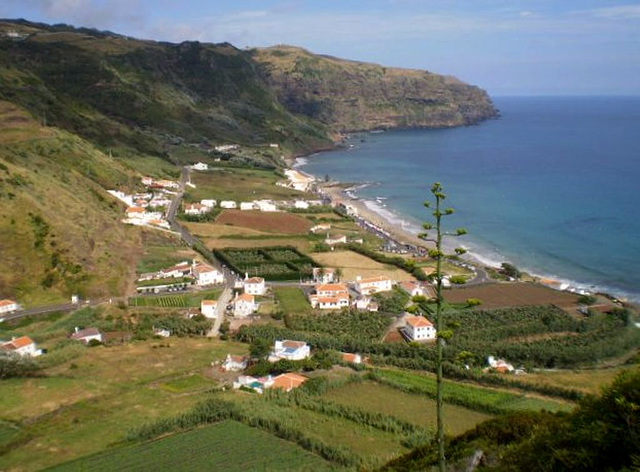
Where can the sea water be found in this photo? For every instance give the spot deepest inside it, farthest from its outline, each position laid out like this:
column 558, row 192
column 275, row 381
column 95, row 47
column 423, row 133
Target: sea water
column 551, row 186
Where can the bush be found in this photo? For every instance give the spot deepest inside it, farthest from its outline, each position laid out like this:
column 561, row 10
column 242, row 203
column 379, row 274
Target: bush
column 14, row 365
column 458, row 279
column 587, row 300
column 474, row 302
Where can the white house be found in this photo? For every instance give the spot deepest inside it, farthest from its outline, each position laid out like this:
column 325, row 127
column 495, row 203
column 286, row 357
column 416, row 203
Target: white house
column 254, row 285
column 208, row 203
column 182, row 269
column 228, row 204
column 331, row 290
column 163, row 333
column 414, row 288
column 200, row 166
column 320, row 228
column 136, row 212
column 324, row 275
column 336, row 239
column 499, row 364
column 86, row 335
column 265, row 205
column 418, row 328
column 207, row 275
column 288, row 381
column 208, row 308
column 335, row 302
column 291, row 350
column 259, row 384
column 227, row 147
column 235, row 363
column 373, row 285
column 301, row 204
column 7, row 306
column 245, row 206
column 23, row 346
column 196, row 209
column 365, row 303
column 244, row 305
column 147, row 181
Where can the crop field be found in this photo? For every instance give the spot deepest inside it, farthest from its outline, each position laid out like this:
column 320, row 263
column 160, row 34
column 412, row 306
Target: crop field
column 417, row 409
column 229, row 446
column 515, row 294
column 291, row 300
column 469, row 396
column 272, row 263
column 271, row 222
column 353, row 264
column 187, row 300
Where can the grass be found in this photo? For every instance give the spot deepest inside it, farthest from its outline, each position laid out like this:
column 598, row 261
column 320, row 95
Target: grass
column 291, row 299
column 477, row 398
column 413, row 408
column 161, row 255
column 229, row 446
column 186, row 300
column 588, row 381
column 353, row 264
column 7, row 433
column 186, row 384
column 240, row 185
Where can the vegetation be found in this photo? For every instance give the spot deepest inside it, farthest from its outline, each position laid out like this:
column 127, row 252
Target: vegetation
column 237, row 448
column 272, row 263
column 354, row 324
column 400, row 262
column 291, row 300
column 185, row 300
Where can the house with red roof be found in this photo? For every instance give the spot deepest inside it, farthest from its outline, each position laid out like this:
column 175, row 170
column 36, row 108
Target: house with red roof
column 291, row 350
column 418, row 328
column 244, row 305
column 288, row 381
column 86, row 335
column 254, row 285
column 206, row 274
column 22, row 346
column 208, row 308
column 7, row 306
column 371, row 285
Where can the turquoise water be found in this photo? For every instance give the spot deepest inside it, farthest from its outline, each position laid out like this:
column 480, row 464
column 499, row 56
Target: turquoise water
column 551, row 186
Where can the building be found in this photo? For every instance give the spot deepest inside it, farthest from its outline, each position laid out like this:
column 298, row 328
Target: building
column 207, row 275
column 228, row 204
column 258, row 384
column 200, row 166
column 336, row 302
column 227, row 147
column 351, row 358
column 86, row 335
column 7, row 306
column 235, row 363
column 291, row 350
column 335, row 239
column 196, row 209
column 298, row 180
column 254, row 285
column 22, row 346
column 365, row 303
column 136, row 212
column 321, row 228
column 183, row 269
column 247, row 206
column 208, row 203
column 414, row 289
column 418, row 328
column 301, row 204
column 288, row 381
column 146, row 181
column 208, row 308
column 163, row 333
column 331, row 290
column 499, row 365
column 324, row 275
column 244, row 305
column 265, row 205
column 373, row 285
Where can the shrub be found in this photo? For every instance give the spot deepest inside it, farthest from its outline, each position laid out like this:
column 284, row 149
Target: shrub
column 474, row 302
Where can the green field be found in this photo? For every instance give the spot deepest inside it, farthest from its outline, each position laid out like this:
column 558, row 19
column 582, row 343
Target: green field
column 188, row 383
column 291, row 300
column 470, row 396
column 417, row 409
column 188, row 300
column 228, row 446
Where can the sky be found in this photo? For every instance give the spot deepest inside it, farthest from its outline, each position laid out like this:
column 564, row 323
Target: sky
column 508, row 47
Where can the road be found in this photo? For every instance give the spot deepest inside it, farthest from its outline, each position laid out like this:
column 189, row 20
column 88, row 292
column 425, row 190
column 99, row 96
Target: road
column 175, row 204
column 64, row 307
column 221, row 307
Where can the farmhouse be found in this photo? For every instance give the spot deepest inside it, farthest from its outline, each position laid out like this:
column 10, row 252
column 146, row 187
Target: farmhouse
column 373, row 285
column 288, row 381
column 365, row 303
column 86, row 335
column 254, row 285
column 330, row 297
column 291, row 350
column 207, row 275
column 265, row 205
column 196, row 209
column 324, row 275
column 331, row 290
column 418, row 328
column 7, row 306
column 500, row 365
column 414, row 288
column 23, row 346
column 208, row 203
column 136, row 212
column 235, row 363
column 335, row 239
column 200, row 166
column 321, row 228
column 244, row 305
column 246, row 206
column 183, row 269
column 228, row 204
column 208, row 308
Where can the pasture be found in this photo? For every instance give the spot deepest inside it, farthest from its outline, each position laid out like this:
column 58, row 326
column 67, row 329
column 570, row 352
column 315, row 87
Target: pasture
column 291, row 299
column 229, row 446
column 353, row 265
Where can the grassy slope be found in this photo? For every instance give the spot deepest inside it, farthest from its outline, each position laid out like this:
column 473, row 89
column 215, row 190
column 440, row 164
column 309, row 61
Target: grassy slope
column 349, row 95
column 229, row 446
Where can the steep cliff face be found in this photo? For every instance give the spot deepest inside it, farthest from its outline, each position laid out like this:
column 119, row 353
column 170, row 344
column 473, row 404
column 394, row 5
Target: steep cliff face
column 349, row 95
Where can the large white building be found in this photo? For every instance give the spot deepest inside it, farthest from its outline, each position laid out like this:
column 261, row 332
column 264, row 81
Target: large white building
column 244, row 305
column 207, row 275
column 254, row 285
column 373, row 285
column 418, row 328
column 208, row 308
column 291, row 350
column 23, row 346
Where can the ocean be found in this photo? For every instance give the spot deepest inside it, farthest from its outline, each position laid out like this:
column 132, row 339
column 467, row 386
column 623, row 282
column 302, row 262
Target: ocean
column 552, row 186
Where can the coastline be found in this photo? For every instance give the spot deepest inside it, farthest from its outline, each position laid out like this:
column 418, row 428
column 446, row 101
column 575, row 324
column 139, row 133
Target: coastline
column 399, row 230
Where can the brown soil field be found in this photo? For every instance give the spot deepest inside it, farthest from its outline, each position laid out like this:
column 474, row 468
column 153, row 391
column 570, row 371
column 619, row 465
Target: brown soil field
column 302, row 245
column 516, row 294
column 276, row 222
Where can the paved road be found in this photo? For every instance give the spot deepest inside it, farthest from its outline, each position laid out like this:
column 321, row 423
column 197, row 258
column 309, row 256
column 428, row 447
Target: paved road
column 64, row 307
column 221, row 307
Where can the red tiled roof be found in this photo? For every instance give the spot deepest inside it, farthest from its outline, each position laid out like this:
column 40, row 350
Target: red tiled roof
column 370, row 280
column 136, row 210
column 332, row 288
column 254, row 280
column 418, row 321
column 245, row 297
column 288, row 381
column 208, row 303
column 6, row 302
column 348, row 357
column 18, row 343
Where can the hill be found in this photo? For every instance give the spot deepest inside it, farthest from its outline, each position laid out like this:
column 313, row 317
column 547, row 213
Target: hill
column 349, row 95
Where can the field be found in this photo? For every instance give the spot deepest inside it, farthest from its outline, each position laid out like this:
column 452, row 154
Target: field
column 353, row 264
column 413, row 408
column 273, row 222
column 229, row 446
column 272, row 263
column 240, row 185
column 161, row 252
column 291, row 300
column 515, row 294
column 187, row 384
column 187, row 300
column 587, row 381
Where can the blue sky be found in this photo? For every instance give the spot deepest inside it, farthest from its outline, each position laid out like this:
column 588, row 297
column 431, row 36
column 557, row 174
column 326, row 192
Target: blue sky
column 509, row 47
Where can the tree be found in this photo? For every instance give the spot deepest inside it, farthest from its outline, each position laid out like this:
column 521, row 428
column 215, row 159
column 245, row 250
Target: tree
column 338, row 274
column 438, row 255
column 510, row 270
column 260, row 348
